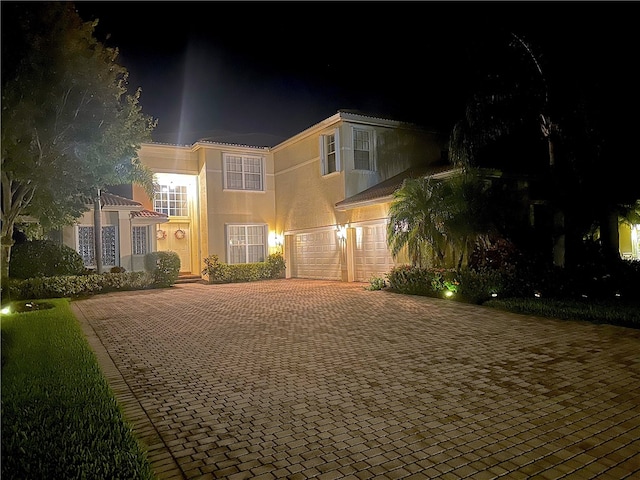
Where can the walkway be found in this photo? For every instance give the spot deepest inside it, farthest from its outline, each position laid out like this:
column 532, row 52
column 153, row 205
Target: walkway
column 302, row 379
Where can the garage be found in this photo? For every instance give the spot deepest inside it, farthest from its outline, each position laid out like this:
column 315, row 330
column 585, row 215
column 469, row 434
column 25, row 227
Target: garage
column 316, row 255
column 371, row 254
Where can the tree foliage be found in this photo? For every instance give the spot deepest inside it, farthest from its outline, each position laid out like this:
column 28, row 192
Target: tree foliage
column 439, row 221
column 548, row 123
column 69, row 125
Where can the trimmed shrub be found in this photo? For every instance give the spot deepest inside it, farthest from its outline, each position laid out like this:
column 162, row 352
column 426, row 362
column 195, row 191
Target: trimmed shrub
column 164, row 267
column 44, row 258
column 376, row 283
column 432, row 282
column 477, row 286
column 220, row 272
column 277, row 265
column 409, row 279
column 78, row 285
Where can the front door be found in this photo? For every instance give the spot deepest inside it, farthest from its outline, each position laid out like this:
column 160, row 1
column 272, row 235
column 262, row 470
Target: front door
column 177, row 239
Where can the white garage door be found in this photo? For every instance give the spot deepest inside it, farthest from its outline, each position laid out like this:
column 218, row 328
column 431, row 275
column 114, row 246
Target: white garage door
column 372, row 256
column 317, row 255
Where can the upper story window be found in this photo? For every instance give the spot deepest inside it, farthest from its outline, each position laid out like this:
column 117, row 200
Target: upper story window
column 172, row 200
column 362, row 149
column 330, row 153
column 243, row 172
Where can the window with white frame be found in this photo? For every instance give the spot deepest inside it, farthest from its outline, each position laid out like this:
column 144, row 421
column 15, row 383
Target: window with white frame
column 362, row 149
column 86, row 245
column 139, row 240
column 243, row 172
column 172, row 200
column 330, row 153
column 246, row 243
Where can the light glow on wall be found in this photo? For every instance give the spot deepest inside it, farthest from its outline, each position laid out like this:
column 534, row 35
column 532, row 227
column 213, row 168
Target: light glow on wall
column 341, row 231
column 275, row 239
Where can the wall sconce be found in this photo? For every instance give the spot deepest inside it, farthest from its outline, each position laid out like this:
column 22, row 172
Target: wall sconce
column 341, row 231
column 276, row 240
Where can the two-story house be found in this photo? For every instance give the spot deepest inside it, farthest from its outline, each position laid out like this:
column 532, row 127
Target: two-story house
column 320, row 198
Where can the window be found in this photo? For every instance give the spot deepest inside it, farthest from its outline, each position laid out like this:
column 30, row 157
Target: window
column 172, row 200
column 243, row 172
column 246, row 243
column 330, row 153
column 86, row 247
column 362, row 150
column 139, row 240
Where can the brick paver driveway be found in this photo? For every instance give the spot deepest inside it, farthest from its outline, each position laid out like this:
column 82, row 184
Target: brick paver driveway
column 311, row 379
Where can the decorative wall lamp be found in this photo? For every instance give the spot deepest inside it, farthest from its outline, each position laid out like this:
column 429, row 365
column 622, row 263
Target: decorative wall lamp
column 276, row 240
column 341, row 231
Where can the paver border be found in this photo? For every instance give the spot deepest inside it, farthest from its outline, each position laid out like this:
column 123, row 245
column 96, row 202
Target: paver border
column 162, row 462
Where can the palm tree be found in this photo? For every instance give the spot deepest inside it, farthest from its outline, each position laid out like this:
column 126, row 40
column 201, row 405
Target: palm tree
column 438, row 221
column 412, row 223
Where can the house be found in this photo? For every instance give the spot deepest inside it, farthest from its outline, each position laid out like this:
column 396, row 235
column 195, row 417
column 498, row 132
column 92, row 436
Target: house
column 299, row 197
column 320, row 198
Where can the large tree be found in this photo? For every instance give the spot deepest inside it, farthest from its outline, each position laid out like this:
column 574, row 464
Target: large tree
column 69, row 125
column 557, row 124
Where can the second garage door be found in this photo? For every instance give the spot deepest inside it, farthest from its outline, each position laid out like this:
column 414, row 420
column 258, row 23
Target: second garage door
column 372, row 256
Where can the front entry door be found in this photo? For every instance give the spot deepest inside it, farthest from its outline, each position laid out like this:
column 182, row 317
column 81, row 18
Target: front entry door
column 177, row 239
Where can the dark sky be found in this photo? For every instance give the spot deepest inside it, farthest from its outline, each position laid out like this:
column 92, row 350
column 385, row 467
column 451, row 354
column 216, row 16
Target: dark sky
column 276, row 68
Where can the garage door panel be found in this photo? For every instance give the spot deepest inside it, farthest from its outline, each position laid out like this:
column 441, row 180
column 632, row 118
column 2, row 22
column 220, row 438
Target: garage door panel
column 372, row 256
column 317, row 256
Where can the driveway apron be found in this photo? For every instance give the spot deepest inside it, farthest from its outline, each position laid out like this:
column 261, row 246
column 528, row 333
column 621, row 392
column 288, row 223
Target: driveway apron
column 306, row 379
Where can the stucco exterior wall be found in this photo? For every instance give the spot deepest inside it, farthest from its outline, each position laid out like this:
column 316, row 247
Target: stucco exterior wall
column 305, row 198
column 227, row 206
column 170, row 158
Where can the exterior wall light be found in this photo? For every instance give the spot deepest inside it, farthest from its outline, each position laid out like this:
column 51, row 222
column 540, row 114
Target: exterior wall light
column 341, row 231
column 276, row 240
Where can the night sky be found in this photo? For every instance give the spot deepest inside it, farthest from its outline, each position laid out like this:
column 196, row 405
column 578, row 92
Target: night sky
column 260, row 72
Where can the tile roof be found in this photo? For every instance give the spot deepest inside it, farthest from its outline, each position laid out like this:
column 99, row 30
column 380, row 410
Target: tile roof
column 148, row 214
column 387, row 187
column 111, row 200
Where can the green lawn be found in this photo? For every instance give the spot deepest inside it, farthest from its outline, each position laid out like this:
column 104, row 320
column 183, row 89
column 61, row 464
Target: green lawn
column 59, row 417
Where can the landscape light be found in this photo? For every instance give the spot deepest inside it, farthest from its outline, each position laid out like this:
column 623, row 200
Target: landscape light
column 5, row 310
column 448, row 293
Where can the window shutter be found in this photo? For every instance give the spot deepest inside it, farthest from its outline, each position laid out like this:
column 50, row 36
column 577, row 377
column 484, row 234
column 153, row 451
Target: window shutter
column 323, row 156
column 338, row 148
